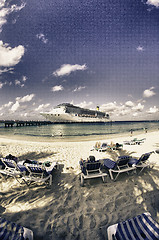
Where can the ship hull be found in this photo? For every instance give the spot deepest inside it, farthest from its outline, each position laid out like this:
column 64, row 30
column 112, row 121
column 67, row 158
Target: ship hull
column 69, row 118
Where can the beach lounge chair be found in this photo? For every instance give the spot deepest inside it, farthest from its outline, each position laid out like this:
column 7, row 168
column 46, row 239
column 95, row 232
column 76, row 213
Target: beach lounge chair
column 117, row 146
column 10, row 231
column 37, row 173
column 91, row 169
column 117, row 167
column 134, row 141
column 9, row 168
column 141, row 227
column 101, row 147
column 139, row 141
column 142, row 162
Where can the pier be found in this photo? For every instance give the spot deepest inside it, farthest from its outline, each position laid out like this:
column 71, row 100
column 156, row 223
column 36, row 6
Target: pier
column 18, row 123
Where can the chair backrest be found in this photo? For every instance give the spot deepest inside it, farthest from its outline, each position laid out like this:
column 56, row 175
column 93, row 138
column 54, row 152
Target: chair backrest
column 91, row 158
column 34, row 168
column 92, row 165
column 104, row 145
column 140, row 227
column 9, row 163
column 144, row 157
column 123, row 160
column 11, row 157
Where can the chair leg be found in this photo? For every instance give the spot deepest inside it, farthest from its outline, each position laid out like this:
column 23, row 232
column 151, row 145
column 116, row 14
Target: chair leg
column 3, row 176
column 116, row 176
column 50, row 179
column 104, row 178
column 111, row 175
column 141, row 170
column 82, row 181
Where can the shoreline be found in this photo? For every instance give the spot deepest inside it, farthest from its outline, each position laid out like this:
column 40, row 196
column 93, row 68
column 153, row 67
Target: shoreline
column 29, row 138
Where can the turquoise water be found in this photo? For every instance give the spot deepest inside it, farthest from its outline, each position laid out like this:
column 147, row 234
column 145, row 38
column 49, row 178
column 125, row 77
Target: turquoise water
column 82, row 129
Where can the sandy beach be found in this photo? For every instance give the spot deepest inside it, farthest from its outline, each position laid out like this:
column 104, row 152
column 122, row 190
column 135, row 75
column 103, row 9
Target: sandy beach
column 68, row 211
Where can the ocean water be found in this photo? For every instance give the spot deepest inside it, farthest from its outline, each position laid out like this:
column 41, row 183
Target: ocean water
column 72, row 130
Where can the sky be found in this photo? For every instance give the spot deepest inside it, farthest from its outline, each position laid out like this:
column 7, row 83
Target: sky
column 88, row 53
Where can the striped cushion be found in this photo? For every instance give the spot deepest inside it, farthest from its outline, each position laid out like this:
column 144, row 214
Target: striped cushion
column 142, row 227
column 108, row 163
column 9, row 163
column 10, row 231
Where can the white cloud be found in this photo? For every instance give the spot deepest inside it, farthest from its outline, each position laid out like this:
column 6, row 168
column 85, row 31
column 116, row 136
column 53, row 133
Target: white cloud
column 5, row 10
column 124, row 112
column 139, row 107
column 42, row 37
column 7, row 105
column 17, row 82
column 42, row 106
column 57, row 88
column 128, row 110
column 153, row 2
column 26, row 98
column 84, row 104
column 10, row 56
column 153, row 110
column 109, row 107
column 24, row 78
column 149, row 92
column 21, row 82
column 6, row 70
column 15, row 106
column 129, row 104
column 140, row 49
column 1, row 85
column 79, row 88
column 17, row 8
column 66, row 69
column 25, row 114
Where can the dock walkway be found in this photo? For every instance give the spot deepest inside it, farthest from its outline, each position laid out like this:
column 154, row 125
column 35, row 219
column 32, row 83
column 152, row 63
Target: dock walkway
column 18, row 123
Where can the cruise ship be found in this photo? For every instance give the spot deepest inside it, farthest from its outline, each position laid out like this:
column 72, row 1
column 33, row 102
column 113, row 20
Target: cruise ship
column 68, row 113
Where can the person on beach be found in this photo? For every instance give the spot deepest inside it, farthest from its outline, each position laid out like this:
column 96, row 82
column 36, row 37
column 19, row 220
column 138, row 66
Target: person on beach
column 131, row 133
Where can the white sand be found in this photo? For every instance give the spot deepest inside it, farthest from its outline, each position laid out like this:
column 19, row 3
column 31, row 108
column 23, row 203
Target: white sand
column 68, row 211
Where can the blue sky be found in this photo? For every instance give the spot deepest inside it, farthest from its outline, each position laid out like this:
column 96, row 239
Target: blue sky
column 87, row 53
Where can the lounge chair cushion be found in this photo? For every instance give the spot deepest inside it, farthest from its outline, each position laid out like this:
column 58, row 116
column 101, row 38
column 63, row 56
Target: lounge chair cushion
column 110, row 164
column 9, row 230
column 13, row 231
column 142, row 159
column 140, row 227
column 121, row 161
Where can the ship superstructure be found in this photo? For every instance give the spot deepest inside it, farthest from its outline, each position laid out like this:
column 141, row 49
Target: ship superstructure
column 67, row 113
